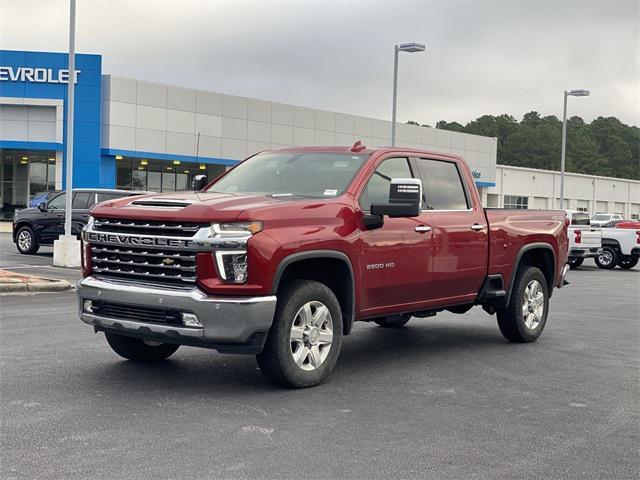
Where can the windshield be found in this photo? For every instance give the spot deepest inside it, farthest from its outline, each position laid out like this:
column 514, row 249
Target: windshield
column 292, row 174
column 601, row 217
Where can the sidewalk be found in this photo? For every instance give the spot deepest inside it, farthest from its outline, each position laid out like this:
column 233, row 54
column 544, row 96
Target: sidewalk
column 5, row 227
column 11, row 282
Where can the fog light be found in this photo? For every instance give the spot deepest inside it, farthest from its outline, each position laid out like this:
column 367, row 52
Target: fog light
column 190, row 320
column 87, row 306
column 232, row 265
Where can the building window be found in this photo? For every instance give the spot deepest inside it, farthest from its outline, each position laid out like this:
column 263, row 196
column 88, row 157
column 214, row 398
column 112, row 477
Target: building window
column 582, row 209
column 160, row 176
column 516, row 202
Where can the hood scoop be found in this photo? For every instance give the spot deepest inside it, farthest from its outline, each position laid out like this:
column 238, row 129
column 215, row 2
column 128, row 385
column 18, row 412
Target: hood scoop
column 162, row 203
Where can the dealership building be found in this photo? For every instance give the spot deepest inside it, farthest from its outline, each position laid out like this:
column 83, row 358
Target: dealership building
column 134, row 134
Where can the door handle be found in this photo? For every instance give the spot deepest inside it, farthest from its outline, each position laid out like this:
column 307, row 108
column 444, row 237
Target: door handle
column 476, row 227
column 422, row 228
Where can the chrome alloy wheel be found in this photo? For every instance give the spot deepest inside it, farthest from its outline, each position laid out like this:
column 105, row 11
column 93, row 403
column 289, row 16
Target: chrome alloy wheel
column 606, row 257
column 311, row 335
column 24, row 240
column 533, row 305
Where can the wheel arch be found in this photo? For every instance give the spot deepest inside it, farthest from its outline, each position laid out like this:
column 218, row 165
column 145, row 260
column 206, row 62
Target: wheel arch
column 336, row 272
column 539, row 255
column 19, row 225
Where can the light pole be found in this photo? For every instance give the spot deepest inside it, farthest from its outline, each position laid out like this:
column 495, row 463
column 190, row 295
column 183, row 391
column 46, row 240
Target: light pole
column 405, row 47
column 573, row 93
column 66, row 249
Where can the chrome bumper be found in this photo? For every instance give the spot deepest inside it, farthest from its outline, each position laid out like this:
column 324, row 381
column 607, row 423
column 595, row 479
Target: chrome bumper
column 225, row 320
column 585, row 252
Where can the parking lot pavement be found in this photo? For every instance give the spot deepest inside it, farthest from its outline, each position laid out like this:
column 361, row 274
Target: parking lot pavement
column 445, row 397
column 39, row 264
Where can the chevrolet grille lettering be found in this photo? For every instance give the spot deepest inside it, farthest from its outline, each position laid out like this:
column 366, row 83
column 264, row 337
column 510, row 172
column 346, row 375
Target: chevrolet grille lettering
column 119, row 239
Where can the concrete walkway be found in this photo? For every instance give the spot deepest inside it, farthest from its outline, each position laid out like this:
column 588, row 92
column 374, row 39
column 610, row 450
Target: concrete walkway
column 5, row 227
column 11, row 282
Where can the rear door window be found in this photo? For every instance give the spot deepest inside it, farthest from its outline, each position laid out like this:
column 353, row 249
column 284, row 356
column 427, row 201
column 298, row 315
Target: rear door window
column 442, row 185
column 103, row 196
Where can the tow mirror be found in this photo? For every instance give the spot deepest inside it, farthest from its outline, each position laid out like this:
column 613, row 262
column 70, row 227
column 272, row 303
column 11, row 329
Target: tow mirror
column 405, row 199
column 199, row 182
column 42, row 207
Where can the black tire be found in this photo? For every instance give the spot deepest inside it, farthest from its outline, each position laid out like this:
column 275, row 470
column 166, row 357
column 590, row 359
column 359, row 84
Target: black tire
column 139, row 351
column 608, row 259
column 511, row 320
column 393, row 321
column 26, row 241
column 575, row 262
column 627, row 262
column 277, row 358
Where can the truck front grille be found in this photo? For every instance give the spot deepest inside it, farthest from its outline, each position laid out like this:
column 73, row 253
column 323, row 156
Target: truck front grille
column 150, row 264
column 146, row 227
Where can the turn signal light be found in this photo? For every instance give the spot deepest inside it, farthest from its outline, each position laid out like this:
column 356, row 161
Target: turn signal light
column 638, row 236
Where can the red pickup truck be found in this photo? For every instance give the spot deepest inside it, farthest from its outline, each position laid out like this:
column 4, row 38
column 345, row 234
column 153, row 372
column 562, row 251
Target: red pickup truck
column 279, row 256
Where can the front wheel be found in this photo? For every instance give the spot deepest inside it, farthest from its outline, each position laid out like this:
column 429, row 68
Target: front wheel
column 306, row 336
column 627, row 261
column 608, row 258
column 575, row 262
column 140, row 350
column 525, row 316
column 26, row 241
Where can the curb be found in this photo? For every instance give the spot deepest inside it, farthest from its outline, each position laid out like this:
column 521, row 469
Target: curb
column 53, row 286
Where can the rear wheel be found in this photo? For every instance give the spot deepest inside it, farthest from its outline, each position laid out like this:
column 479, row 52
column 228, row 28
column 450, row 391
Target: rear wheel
column 140, row 350
column 306, row 336
column 26, row 241
column 608, row 258
column 525, row 316
column 575, row 262
column 393, row 321
column 627, row 261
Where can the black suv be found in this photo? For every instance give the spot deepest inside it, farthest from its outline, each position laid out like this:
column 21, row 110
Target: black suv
column 43, row 224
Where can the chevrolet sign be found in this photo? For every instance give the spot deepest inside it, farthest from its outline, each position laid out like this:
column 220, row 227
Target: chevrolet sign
column 35, row 75
column 137, row 241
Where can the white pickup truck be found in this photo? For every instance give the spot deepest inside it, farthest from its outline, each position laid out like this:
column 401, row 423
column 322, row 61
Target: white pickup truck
column 584, row 241
column 620, row 246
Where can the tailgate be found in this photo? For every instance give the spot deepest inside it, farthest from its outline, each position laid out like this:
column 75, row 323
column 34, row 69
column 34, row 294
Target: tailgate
column 591, row 237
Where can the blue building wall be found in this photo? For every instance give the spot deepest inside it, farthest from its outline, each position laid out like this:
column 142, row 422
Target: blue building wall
column 87, row 168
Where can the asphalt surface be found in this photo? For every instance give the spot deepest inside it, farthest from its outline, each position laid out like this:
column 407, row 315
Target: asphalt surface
column 445, row 397
column 40, row 264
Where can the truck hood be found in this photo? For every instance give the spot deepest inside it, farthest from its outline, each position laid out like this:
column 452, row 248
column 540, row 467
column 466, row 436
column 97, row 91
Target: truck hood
column 199, row 207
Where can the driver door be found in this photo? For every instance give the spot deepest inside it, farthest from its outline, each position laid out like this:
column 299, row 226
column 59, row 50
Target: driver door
column 50, row 220
column 394, row 258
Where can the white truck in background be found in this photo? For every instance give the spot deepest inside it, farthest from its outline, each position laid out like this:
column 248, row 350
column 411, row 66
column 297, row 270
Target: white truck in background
column 620, row 246
column 584, row 241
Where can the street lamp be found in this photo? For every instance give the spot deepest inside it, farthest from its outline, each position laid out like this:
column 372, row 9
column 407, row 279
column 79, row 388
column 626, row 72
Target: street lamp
column 581, row 92
column 405, row 47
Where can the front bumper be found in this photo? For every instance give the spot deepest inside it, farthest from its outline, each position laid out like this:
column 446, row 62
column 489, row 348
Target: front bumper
column 228, row 324
column 585, row 252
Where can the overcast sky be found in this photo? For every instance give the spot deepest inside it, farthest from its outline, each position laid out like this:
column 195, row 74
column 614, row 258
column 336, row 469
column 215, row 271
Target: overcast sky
column 483, row 56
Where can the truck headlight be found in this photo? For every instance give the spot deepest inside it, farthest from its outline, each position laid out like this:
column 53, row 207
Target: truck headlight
column 236, row 229
column 232, row 265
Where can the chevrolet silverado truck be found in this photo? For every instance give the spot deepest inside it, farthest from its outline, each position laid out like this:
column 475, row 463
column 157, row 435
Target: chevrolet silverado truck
column 283, row 253
column 584, row 241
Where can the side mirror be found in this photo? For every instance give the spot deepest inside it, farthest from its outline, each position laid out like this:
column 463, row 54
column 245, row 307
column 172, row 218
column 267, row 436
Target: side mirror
column 199, row 182
column 42, row 207
column 405, row 199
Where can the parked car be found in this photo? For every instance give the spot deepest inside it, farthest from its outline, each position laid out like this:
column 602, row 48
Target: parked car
column 621, row 247
column 622, row 224
column 41, row 225
column 599, row 219
column 584, row 241
column 38, row 198
column 281, row 254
